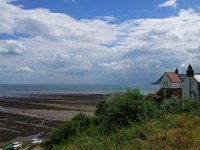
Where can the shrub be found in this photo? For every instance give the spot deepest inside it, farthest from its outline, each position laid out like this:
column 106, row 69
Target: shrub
column 174, row 105
column 152, row 109
column 103, row 106
column 63, row 133
column 81, row 117
column 190, row 105
column 98, row 120
column 83, row 120
column 128, row 107
column 171, row 105
column 121, row 109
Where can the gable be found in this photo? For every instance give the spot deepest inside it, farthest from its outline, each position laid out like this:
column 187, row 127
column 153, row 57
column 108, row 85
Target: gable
column 174, row 77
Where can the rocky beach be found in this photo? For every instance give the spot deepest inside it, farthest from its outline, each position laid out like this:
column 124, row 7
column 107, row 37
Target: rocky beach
column 35, row 115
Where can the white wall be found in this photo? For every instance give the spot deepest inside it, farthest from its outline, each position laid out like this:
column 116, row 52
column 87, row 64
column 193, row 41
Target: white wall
column 190, row 82
column 166, row 82
column 176, row 85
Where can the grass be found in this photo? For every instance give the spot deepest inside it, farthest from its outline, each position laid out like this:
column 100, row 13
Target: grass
column 167, row 133
column 130, row 122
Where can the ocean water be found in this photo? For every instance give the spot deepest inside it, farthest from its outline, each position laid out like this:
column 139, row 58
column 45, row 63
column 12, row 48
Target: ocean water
column 11, row 90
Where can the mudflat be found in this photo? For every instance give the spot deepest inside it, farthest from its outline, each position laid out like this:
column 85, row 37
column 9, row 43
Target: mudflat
column 35, row 115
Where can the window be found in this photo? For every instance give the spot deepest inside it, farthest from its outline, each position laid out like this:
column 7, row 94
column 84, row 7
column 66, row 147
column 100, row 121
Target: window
column 164, row 91
column 195, row 96
column 164, row 83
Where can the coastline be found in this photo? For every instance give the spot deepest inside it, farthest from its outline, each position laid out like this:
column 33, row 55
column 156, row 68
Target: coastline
column 35, row 115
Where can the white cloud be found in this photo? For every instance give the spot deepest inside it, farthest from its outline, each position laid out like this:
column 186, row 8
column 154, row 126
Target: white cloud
column 23, row 69
column 115, row 65
column 60, row 47
column 3, row 50
column 12, row 47
column 170, row 3
column 79, row 68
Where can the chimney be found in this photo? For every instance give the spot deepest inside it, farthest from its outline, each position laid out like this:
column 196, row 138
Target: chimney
column 190, row 71
column 176, row 71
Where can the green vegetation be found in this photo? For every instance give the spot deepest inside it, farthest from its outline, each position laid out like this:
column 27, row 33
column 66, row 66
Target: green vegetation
column 129, row 122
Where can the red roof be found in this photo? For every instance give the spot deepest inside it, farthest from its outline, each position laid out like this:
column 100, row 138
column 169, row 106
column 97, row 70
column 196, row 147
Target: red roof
column 174, row 77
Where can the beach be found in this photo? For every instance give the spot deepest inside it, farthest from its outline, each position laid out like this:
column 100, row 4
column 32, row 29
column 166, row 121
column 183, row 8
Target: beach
column 36, row 115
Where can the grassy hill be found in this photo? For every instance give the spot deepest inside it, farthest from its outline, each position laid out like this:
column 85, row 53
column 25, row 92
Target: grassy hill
column 130, row 122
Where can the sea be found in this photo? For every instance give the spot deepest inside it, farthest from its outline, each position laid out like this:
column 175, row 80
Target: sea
column 19, row 90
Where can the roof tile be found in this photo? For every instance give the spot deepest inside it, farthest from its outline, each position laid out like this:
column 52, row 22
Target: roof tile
column 174, row 77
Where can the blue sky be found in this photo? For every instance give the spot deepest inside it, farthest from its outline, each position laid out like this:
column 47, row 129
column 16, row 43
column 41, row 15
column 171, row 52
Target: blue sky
column 90, row 41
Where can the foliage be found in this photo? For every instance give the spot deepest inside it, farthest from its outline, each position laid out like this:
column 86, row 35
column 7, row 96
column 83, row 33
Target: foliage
column 149, row 135
column 129, row 107
column 108, row 102
column 171, row 105
column 64, row 132
column 152, row 109
column 122, row 109
column 174, row 105
column 127, row 121
column 83, row 119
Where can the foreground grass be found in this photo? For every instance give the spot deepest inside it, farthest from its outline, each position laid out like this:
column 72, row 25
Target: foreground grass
column 175, row 131
column 127, row 121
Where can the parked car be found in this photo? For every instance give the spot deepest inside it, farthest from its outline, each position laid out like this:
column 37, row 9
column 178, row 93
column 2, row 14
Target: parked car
column 36, row 141
column 17, row 145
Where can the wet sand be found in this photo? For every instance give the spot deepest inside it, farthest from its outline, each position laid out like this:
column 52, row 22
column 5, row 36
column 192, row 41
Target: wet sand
column 35, row 115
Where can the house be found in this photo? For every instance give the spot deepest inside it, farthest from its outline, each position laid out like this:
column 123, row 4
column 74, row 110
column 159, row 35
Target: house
column 191, row 85
column 171, row 84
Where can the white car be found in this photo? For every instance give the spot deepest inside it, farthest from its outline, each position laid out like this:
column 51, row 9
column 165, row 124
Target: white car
column 36, row 141
column 17, row 145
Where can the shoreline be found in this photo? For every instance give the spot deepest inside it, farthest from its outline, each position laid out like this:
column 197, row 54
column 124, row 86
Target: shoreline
column 24, row 118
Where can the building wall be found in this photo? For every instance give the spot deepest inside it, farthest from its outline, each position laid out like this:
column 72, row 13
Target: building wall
column 165, row 82
column 167, row 92
column 190, row 88
column 176, row 85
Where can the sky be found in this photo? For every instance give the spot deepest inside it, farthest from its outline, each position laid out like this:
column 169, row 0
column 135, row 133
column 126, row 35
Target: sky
column 97, row 41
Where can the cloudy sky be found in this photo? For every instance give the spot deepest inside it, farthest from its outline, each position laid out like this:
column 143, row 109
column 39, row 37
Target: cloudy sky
column 97, row 41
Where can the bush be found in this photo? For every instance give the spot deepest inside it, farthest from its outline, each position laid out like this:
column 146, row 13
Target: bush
column 122, row 109
column 83, row 120
column 174, row 105
column 171, row 105
column 152, row 109
column 104, row 106
column 190, row 105
column 128, row 107
column 63, row 133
